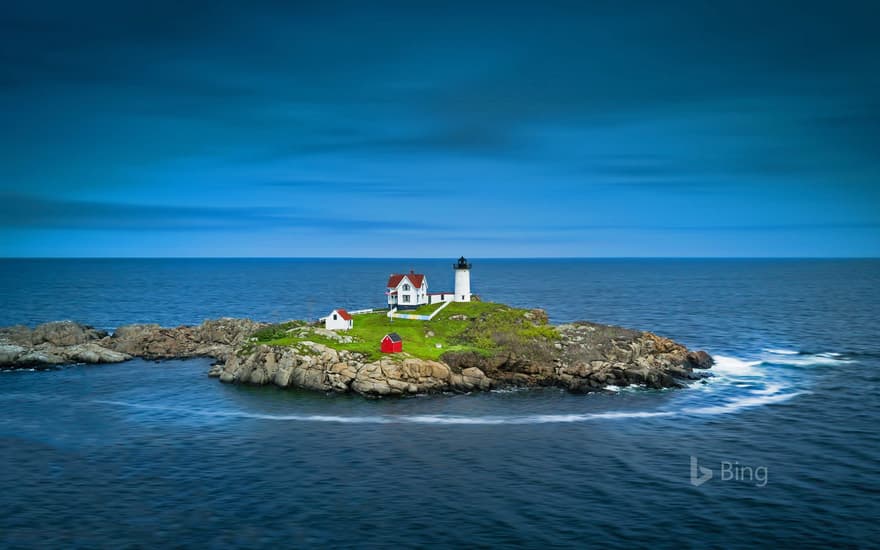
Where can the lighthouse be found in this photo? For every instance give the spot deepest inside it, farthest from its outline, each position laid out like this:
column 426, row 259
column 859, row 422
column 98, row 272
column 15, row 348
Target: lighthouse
column 462, row 280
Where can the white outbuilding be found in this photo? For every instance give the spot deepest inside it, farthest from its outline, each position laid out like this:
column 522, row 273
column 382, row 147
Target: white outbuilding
column 339, row 319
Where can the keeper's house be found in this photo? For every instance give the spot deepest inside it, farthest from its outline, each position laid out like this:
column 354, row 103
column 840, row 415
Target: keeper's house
column 407, row 290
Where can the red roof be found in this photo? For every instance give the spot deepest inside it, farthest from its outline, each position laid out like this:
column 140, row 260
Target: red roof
column 417, row 279
column 344, row 314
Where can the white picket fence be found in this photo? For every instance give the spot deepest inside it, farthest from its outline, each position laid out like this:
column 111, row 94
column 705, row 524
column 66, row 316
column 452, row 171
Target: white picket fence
column 392, row 314
column 355, row 312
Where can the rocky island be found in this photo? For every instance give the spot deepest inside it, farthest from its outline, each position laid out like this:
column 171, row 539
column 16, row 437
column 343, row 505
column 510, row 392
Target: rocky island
column 467, row 347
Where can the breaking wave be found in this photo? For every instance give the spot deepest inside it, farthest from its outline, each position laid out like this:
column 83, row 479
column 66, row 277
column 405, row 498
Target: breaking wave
column 743, row 403
column 724, row 408
column 803, row 359
column 735, row 367
column 736, row 384
column 403, row 419
column 781, row 351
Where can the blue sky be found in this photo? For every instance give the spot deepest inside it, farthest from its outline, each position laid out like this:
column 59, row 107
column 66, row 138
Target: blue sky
column 491, row 130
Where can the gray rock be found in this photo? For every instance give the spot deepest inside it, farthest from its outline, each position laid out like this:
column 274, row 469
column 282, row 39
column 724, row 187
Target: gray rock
column 65, row 333
column 10, row 353
column 92, row 353
column 17, row 335
column 700, row 359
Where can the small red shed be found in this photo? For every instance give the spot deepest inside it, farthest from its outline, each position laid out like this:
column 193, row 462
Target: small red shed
column 392, row 343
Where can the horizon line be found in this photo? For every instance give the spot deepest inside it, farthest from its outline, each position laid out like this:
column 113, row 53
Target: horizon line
column 438, row 258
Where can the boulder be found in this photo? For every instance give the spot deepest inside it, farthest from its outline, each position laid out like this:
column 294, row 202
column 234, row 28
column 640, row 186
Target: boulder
column 93, row 353
column 17, row 335
column 215, row 338
column 700, row 359
column 9, row 354
column 395, row 377
column 65, row 333
column 470, row 379
column 40, row 358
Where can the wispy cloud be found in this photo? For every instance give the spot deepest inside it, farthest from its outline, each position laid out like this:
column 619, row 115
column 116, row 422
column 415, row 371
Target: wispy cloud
column 351, row 188
column 21, row 211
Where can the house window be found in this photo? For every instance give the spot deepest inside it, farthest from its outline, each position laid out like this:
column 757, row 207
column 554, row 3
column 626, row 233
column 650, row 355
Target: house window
column 405, row 287
column 406, row 297
column 334, row 317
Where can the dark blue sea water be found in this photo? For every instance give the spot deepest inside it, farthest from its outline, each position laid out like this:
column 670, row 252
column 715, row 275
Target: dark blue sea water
column 156, row 454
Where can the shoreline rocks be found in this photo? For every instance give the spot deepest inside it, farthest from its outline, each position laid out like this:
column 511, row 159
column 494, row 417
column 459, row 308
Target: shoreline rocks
column 317, row 367
column 65, row 342
column 586, row 357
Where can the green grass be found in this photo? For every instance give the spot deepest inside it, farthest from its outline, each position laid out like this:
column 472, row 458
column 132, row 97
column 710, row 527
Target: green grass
column 486, row 325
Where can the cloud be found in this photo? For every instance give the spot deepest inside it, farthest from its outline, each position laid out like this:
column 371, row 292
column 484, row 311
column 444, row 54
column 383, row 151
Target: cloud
column 355, row 188
column 28, row 212
column 737, row 111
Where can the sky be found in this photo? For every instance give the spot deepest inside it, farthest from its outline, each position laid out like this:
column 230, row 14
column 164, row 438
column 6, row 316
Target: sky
column 403, row 129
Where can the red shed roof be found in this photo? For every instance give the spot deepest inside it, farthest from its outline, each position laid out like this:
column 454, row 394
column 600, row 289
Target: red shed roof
column 344, row 314
column 417, row 279
column 393, row 336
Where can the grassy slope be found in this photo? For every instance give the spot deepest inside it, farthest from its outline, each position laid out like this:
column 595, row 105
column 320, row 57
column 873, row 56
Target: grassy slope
column 479, row 332
column 421, row 310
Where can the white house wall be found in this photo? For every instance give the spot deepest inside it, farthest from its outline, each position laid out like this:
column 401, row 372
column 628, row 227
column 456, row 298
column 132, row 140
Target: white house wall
column 417, row 296
column 338, row 324
column 438, row 298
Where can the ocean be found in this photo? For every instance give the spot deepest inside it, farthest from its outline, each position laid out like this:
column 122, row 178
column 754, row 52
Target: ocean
column 781, row 447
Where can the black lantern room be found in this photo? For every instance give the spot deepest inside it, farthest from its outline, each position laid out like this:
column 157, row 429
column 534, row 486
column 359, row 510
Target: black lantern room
column 462, row 264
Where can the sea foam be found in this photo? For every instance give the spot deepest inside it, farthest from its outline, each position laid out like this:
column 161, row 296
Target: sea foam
column 742, row 403
column 734, row 366
column 781, row 351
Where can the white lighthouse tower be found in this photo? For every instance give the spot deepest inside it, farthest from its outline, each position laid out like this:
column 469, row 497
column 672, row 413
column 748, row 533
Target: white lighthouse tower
column 462, row 280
